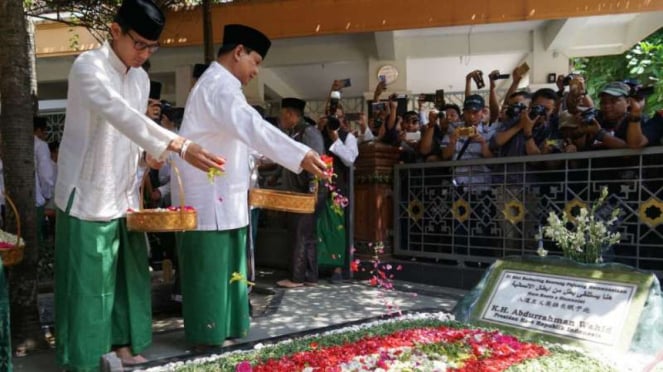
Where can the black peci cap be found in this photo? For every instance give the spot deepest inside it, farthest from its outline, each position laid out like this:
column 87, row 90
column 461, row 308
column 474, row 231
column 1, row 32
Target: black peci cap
column 39, row 122
column 235, row 34
column 294, row 103
column 142, row 16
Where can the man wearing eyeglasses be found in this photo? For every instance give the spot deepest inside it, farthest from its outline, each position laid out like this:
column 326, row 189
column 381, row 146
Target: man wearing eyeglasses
column 102, row 293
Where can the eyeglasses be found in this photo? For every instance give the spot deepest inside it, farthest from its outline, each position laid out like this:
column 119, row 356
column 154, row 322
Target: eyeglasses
column 139, row 45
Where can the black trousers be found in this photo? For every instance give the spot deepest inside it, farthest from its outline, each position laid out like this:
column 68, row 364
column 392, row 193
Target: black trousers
column 304, row 240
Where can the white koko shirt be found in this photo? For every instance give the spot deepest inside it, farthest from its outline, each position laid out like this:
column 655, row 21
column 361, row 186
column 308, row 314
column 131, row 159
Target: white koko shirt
column 218, row 118
column 105, row 131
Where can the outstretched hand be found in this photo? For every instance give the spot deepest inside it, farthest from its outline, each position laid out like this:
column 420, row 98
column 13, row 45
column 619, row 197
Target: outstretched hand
column 314, row 165
column 203, row 159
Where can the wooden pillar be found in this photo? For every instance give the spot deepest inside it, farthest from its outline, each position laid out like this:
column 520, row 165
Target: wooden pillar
column 373, row 195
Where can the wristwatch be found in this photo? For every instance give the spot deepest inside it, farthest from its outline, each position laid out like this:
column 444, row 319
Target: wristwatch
column 600, row 135
column 633, row 119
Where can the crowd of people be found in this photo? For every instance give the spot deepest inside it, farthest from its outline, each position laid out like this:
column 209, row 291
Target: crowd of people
column 526, row 123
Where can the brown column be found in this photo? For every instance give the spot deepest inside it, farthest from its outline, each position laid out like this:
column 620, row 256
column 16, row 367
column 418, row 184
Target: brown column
column 373, row 195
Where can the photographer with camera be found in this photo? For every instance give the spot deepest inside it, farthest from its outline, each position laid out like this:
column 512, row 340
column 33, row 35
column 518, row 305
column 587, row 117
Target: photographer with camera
column 409, row 135
column 576, row 99
column 525, row 131
column 469, row 140
column 477, row 77
column 620, row 122
column 439, row 122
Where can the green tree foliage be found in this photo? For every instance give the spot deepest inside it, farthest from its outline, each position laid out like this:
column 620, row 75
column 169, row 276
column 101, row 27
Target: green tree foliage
column 643, row 62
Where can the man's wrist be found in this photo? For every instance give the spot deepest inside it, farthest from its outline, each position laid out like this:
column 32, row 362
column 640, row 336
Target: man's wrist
column 176, row 144
column 633, row 118
column 600, row 135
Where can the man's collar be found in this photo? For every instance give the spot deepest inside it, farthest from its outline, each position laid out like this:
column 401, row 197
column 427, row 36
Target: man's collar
column 114, row 60
column 216, row 66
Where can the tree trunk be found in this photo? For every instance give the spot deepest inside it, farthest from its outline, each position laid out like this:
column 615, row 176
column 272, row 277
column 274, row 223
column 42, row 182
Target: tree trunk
column 208, row 37
column 18, row 94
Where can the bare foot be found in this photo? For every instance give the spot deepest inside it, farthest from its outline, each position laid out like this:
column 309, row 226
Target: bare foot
column 287, row 283
column 127, row 357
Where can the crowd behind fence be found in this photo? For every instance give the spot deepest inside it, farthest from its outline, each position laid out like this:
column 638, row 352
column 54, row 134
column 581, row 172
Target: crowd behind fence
column 471, row 225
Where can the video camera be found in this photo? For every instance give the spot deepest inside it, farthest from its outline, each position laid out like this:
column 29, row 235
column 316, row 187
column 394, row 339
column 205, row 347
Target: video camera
column 498, row 76
column 641, row 92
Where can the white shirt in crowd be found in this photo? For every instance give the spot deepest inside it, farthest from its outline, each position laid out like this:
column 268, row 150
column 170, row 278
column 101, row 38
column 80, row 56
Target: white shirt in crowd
column 44, row 173
column 346, row 150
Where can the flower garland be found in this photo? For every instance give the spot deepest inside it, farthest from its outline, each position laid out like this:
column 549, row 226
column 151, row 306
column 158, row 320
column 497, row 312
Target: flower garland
column 441, row 348
column 338, row 200
column 414, row 342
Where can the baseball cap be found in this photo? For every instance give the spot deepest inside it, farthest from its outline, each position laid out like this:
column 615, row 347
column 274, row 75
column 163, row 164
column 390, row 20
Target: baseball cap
column 616, row 89
column 474, row 102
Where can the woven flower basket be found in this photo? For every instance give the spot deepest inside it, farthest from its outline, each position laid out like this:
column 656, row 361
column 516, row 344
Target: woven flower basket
column 13, row 256
column 163, row 220
column 284, row 201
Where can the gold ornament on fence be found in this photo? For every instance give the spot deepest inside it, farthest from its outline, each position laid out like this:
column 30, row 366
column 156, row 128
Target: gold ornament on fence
column 415, row 210
column 514, row 211
column 574, row 205
column 647, row 205
column 460, row 210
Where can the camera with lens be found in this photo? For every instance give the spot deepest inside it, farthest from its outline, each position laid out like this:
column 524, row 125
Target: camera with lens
column 640, row 92
column 568, row 78
column 334, row 99
column 536, row 111
column 587, row 116
column 513, row 111
column 333, row 123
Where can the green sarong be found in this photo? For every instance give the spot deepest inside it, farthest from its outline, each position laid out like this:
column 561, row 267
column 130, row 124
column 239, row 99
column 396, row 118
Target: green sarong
column 5, row 331
column 331, row 236
column 102, row 290
column 213, row 308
